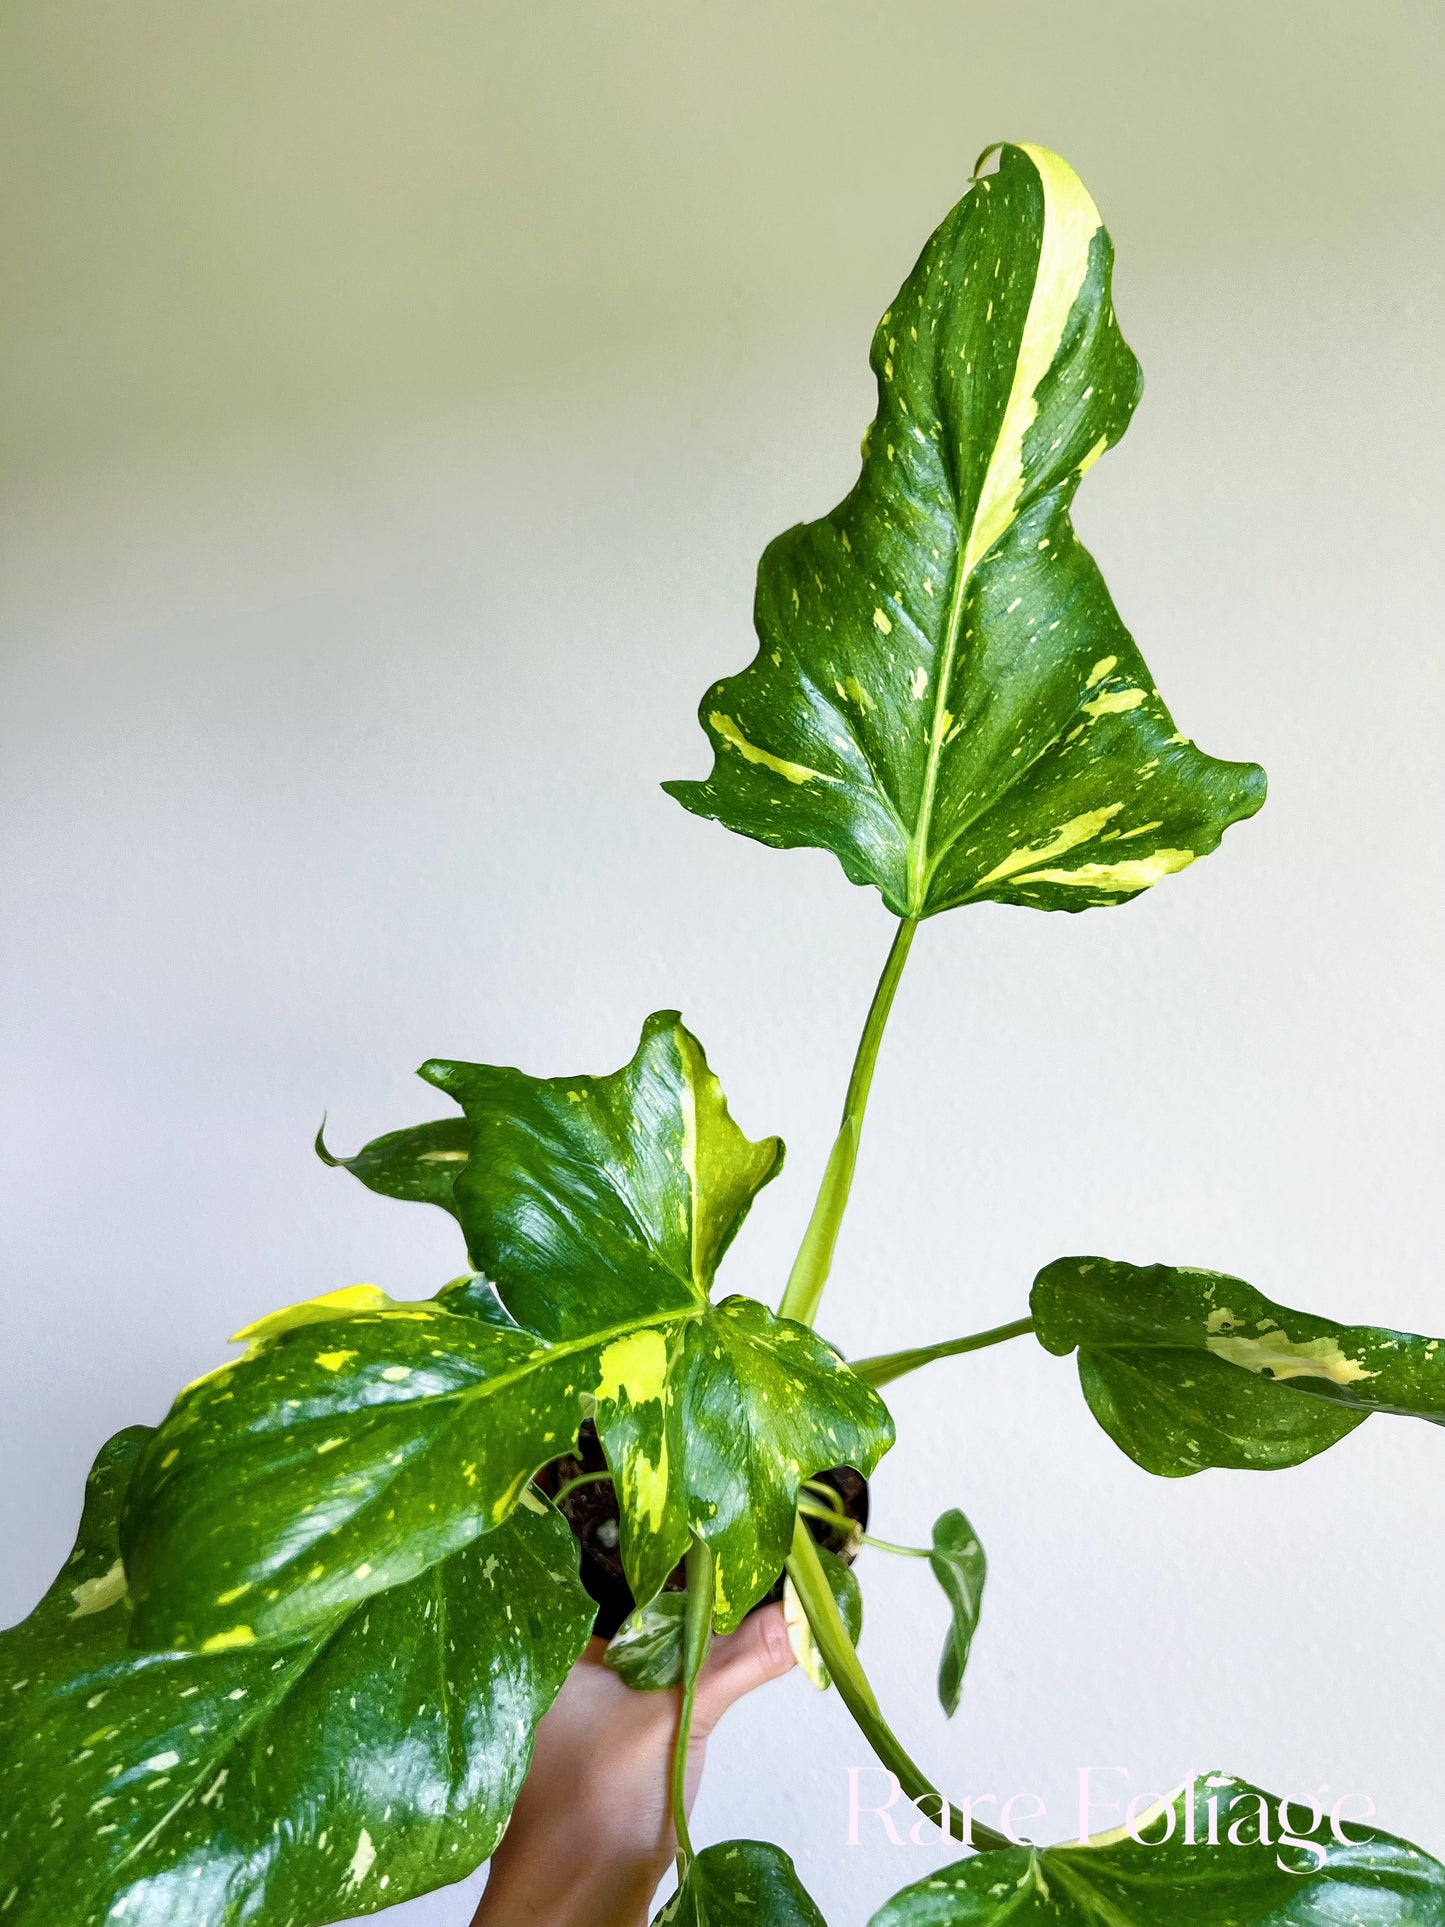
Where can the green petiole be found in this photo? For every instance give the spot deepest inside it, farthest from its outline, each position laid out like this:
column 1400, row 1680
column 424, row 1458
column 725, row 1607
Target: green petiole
column 815, row 1255
column 889, row 1365
column 839, row 1519
column 696, row 1639
column 840, row 1656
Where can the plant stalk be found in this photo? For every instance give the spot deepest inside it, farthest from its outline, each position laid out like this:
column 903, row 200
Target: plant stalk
column 903, row 1552
column 840, row 1656
column 696, row 1639
column 890, row 1365
column 815, row 1255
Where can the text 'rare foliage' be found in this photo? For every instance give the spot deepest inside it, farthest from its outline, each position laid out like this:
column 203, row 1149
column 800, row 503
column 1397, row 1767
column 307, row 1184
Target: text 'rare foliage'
column 1218, row 1853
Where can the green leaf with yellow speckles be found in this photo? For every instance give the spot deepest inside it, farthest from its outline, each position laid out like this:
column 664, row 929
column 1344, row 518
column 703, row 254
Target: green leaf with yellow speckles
column 337, row 1459
column 586, row 1199
column 307, row 1783
column 944, row 694
column 359, row 1440
column 1187, row 1369
column 419, row 1164
column 741, row 1880
column 1217, row 1851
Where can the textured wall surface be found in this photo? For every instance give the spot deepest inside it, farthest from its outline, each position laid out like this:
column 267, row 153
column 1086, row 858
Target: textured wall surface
column 395, row 403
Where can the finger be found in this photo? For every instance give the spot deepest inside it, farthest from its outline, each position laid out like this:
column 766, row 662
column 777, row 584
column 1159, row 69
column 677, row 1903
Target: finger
column 757, row 1652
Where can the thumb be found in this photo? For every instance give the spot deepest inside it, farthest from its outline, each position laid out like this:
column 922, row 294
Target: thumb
column 757, row 1652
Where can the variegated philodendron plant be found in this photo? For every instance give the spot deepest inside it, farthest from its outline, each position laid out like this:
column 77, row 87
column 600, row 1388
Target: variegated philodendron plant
column 292, row 1670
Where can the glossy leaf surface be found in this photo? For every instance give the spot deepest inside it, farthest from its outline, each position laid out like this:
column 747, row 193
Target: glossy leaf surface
column 328, row 1464
column 301, row 1784
column 944, row 694
column 1186, row 1369
column 419, row 1165
column 589, row 1200
column 960, row 1567
column 737, row 1881
column 646, row 1650
column 1376, row 1881
column 340, row 1457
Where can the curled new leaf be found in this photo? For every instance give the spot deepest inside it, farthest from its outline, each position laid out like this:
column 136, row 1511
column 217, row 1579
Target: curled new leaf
column 1217, row 1851
column 944, row 694
column 1186, row 1369
column 301, row 1784
column 960, row 1567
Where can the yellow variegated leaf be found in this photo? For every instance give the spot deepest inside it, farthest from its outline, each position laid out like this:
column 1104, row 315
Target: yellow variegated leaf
column 359, row 1440
column 944, row 694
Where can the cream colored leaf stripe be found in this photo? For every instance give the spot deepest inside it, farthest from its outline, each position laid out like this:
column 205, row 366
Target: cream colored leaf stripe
column 1070, row 222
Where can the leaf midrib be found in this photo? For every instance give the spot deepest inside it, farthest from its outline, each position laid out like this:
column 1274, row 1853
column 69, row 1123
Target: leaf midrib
column 920, row 869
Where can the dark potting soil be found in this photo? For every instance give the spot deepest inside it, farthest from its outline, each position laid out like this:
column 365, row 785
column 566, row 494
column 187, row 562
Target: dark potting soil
column 591, row 1511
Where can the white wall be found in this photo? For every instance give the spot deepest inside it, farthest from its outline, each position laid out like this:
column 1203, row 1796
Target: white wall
column 397, row 404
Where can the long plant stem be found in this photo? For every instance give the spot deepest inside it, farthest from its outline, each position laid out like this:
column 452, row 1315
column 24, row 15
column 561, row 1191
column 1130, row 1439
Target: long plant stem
column 815, row 1255
column 840, row 1656
column 696, row 1638
column 890, row 1365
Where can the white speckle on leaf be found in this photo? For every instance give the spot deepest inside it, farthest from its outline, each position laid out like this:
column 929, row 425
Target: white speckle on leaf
column 362, row 1861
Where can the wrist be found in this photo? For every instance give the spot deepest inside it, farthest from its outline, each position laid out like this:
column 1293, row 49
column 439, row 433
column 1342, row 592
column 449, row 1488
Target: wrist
column 594, row 1878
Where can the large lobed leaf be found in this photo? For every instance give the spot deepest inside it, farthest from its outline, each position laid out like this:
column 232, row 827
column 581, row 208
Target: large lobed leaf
column 327, row 1778
column 944, row 694
column 359, row 1440
column 1242, row 1881
column 586, row 1199
column 1186, row 1369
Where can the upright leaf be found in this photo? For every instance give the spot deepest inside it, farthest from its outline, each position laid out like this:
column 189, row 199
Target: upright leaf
column 300, row 1784
column 741, row 1880
column 944, row 694
column 1187, row 1369
column 1230, row 1855
column 960, row 1567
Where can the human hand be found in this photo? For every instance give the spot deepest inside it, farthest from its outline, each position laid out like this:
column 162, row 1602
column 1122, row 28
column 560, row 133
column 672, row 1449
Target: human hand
column 591, row 1835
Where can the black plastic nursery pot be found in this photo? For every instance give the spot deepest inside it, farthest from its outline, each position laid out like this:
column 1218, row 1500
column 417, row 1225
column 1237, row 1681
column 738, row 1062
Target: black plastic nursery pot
column 591, row 1511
